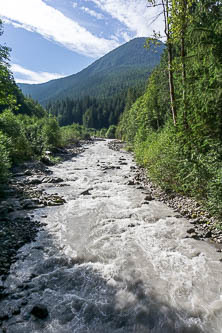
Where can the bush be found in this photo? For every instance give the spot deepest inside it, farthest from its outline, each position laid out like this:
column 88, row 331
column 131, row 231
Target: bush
column 110, row 134
column 18, row 145
column 4, row 157
column 86, row 136
column 33, row 128
column 73, row 133
column 173, row 166
column 51, row 133
column 69, row 135
column 214, row 192
column 102, row 132
column 160, row 154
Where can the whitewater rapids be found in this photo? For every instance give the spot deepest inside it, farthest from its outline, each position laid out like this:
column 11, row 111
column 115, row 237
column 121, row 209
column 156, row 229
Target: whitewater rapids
column 108, row 261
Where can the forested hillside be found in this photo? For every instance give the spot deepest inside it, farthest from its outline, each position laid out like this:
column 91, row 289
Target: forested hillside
column 175, row 128
column 98, row 95
column 94, row 112
column 123, row 68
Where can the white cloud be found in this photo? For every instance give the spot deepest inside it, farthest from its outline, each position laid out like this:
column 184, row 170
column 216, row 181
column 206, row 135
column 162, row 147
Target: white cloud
column 93, row 13
column 32, row 77
column 37, row 16
column 17, row 25
column 74, row 4
column 125, row 36
column 134, row 14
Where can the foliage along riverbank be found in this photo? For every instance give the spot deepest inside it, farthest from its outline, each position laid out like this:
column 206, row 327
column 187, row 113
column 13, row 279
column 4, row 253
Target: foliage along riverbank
column 201, row 225
column 175, row 127
column 24, row 138
column 27, row 131
column 21, row 196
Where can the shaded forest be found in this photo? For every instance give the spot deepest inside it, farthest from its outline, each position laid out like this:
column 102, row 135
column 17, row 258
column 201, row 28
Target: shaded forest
column 94, row 112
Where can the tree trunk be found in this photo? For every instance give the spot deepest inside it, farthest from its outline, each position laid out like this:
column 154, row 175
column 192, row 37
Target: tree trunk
column 184, row 80
column 170, row 61
column 171, row 84
column 183, row 55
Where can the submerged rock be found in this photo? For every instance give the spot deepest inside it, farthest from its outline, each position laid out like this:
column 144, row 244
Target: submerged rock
column 148, row 197
column 40, row 311
column 191, row 231
column 47, row 161
column 35, row 181
column 130, row 182
column 86, row 192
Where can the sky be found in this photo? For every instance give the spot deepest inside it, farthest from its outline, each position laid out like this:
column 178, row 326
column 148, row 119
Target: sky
column 50, row 39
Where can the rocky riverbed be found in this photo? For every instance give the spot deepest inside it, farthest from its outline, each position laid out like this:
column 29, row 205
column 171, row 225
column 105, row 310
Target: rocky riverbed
column 203, row 226
column 104, row 252
column 20, row 197
column 18, row 225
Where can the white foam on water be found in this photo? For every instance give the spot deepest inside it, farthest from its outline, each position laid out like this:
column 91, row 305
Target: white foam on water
column 107, row 262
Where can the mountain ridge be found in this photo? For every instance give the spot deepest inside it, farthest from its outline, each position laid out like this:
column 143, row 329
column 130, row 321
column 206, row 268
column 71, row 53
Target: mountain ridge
column 118, row 69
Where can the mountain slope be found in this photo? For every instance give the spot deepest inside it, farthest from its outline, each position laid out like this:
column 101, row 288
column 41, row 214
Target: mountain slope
column 119, row 69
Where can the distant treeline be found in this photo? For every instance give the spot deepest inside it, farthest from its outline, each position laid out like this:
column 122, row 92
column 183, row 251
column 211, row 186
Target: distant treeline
column 94, row 112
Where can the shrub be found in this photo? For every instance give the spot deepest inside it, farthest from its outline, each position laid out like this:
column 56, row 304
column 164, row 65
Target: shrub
column 18, row 145
column 73, row 133
column 102, row 132
column 110, row 134
column 4, row 157
column 51, row 133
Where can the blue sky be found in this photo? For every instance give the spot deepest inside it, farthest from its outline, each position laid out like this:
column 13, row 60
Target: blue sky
column 54, row 38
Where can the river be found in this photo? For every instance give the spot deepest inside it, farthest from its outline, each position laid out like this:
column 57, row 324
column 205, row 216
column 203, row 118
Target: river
column 110, row 261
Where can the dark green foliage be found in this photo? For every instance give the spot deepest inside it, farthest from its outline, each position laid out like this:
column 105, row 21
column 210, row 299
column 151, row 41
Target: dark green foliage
column 102, row 133
column 21, row 136
column 118, row 70
column 111, row 132
column 7, row 85
column 13, row 128
column 73, row 133
column 26, row 130
column 4, row 157
column 51, row 133
column 149, row 112
column 11, row 96
column 186, row 158
column 93, row 112
column 28, row 136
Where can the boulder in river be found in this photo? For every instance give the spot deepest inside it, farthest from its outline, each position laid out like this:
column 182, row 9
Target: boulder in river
column 34, row 181
column 86, row 192
column 148, row 197
column 46, row 160
column 131, row 182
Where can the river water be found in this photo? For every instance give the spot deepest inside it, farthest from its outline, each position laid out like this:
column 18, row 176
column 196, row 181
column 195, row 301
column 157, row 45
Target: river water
column 108, row 261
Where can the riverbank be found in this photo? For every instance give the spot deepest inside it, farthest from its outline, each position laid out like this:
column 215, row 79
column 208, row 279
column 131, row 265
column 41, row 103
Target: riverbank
column 20, row 197
column 111, row 258
column 202, row 226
